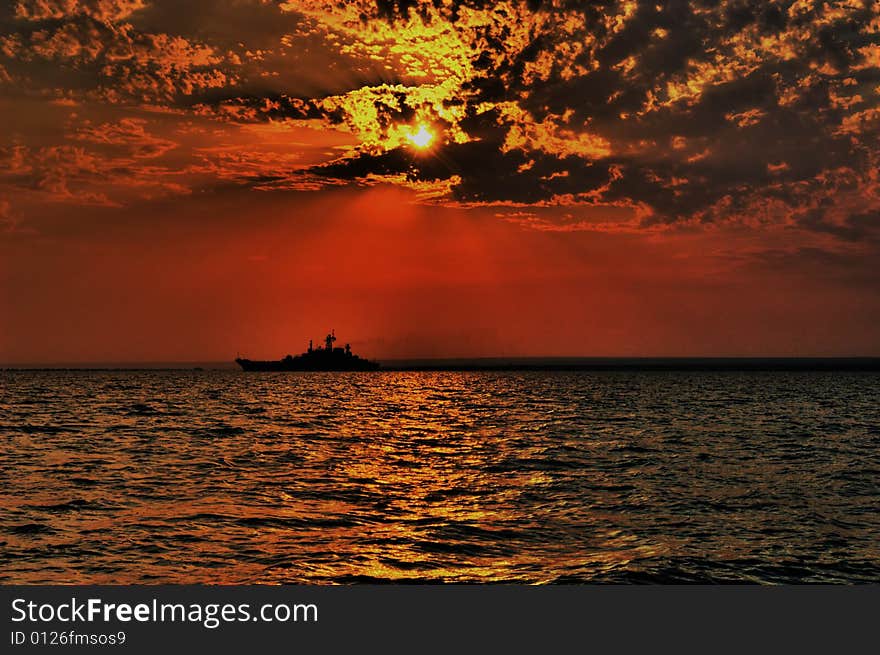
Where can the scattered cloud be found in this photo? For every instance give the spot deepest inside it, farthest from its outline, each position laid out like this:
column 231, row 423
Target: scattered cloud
column 681, row 114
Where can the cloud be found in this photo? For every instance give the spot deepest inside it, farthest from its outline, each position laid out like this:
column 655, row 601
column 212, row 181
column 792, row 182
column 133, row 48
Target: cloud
column 8, row 220
column 102, row 10
column 129, row 135
column 88, row 48
column 109, row 164
column 684, row 113
column 691, row 112
column 56, row 173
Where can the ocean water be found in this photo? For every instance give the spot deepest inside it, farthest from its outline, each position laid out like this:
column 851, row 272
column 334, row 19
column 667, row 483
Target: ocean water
column 534, row 477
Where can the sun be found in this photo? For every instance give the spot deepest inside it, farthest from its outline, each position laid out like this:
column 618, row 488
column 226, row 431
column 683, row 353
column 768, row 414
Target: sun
column 422, row 138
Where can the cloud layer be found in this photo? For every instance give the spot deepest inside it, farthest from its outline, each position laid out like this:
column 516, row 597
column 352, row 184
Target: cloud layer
column 638, row 115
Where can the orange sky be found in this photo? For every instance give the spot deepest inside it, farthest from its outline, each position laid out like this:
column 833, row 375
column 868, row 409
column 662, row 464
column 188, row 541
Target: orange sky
column 605, row 179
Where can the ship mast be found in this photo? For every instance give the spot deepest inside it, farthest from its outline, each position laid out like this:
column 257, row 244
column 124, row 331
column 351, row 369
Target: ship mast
column 330, row 339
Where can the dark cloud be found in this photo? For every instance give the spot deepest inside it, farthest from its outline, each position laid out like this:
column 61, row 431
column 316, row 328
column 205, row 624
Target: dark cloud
column 485, row 173
column 694, row 112
column 696, row 130
column 855, row 227
column 226, row 23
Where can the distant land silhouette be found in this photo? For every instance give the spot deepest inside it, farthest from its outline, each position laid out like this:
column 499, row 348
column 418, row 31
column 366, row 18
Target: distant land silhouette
column 639, row 364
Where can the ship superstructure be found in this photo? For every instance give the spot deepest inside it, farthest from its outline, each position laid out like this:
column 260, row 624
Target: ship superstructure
column 326, row 358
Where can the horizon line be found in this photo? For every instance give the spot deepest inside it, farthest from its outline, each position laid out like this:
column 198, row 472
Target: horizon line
column 572, row 362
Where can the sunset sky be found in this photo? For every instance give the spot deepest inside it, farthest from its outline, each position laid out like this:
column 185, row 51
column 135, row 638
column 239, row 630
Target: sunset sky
column 189, row 180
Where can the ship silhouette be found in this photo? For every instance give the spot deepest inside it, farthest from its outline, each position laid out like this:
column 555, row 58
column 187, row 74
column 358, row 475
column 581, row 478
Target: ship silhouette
column 328, row 358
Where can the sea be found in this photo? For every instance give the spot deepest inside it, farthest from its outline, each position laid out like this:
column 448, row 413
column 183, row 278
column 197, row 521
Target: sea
column 535, row 476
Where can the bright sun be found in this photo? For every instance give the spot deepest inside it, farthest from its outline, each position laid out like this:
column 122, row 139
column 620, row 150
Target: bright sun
column 422, row 138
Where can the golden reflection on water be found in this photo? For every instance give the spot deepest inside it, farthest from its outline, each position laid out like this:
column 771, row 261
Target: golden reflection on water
column 218, row 477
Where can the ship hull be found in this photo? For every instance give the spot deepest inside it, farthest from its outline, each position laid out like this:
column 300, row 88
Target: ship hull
column 295, row 364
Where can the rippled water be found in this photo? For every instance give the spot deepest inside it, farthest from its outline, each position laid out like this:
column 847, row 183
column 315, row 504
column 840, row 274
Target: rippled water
column 224, row 477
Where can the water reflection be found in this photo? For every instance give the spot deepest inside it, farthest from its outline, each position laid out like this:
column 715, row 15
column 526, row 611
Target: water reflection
column 221, row 477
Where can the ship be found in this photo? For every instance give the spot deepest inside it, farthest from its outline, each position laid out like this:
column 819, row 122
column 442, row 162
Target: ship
column 328, row 358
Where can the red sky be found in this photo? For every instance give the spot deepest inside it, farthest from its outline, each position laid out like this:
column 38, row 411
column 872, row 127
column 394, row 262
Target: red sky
column 611, row 181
